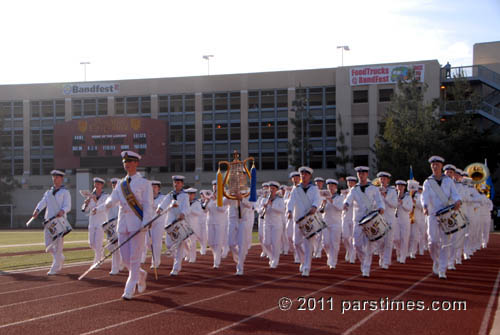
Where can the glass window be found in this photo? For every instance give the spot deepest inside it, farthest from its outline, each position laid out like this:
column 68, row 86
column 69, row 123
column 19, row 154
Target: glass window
column 268, row 161
column 207, row 132
column 221, row 132
column 132, row 105
column 190, row 133
column 35, row 109
column 235, row 100
column 253, row 99
column 189, row 103
column 220, row 101
column 385, row 94
column 89, row 107
column 207, row 102
column 119, row 106
column 145, row 106
column 102, row 106
column 282, row 99
column 267, row 99
column 176, row 133
column 330, row 128
column 47, row 109
column 60, row 108
column 360, row 96
column 163, row 104
column 360, row 128
column 47, row 137
column 316, row 97
column 35, row 138
column 18, row 109
column 316, row 128
column 330, row 96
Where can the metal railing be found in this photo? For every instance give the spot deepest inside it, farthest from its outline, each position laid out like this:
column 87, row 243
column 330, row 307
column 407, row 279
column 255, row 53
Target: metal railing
column 480, row 72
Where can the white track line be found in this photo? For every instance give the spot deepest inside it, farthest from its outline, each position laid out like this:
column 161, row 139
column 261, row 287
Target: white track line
column 39, row 244
column 484, row 325
column 115, row 300
column 189, row 304
column 363, row 321
column 276, row 307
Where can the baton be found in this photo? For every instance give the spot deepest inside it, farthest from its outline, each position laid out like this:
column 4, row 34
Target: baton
column 147, row 225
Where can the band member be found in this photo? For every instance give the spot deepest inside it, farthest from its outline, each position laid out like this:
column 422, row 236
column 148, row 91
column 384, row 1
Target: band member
column 390, row 197
column 290, row 224
column 216, row 223
column 258, row 207
column 332, row 215
column 405, row 206
column 348, row 225
column 240, row 223
column 365, row 198
column 304, row 200
column 57, row 202
column 154, row 237
column 320, row 182
column 179, row 201
column 272, row 216
column 456, row 238
column 135, row 198
column 116, row 259
column 285, row 246
column 439, row 192
column 485, row 216
column 417, row 221
column 194, row 216
column 96, row 234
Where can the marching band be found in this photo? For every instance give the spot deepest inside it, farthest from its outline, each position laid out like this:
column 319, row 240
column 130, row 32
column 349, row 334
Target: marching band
column 446, row 216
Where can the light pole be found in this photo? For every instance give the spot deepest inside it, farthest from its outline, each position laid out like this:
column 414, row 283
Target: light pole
column 343, row 47
column 84, row 70
column 207, row 58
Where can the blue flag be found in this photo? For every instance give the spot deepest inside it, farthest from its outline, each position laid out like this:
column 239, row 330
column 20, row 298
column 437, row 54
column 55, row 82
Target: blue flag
column 489, row 182
column 411, row 173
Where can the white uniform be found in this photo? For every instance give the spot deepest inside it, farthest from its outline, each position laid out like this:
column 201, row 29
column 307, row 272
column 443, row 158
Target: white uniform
column 116, row 259
column 432, row 201
column 364, row 202
column 54, row 201
column 457, row 239
column 417, row 230
column 154, row 237
column 194, row 218
column 485, row 219
column 96, row 234
column 239, row 230
column 331, row 235
column 129, row 223
column 348, row 234
column 405, row 206
column 259, row 207
column 289, row 227
column 182, row 201
column 273, row 229
column 386, row 242
column 300, row 203
column 216, row 224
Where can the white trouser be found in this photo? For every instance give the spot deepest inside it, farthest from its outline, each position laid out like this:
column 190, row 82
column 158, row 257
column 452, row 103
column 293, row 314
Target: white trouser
column 304, row 248
column 154, row 237
column 56, row 251
column 131, row 254
column 96, row 237
column 178, row 251
column 404, row 239
column 385, row 247
column 364, row 248
column 348, row 239
column 414, row 238
column 331, row 243
column 238, row 232
column 202, row 238
column 272, row 241
column 437, row 239
column 215, row 234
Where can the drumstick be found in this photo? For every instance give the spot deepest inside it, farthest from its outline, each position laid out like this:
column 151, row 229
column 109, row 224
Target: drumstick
column 30, row 220
column 147, row 225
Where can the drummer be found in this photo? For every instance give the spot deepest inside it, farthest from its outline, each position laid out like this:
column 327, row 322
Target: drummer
column 290, row 224
column 274, row 209
column 364, row 198
column 332, row 215
column 57, row 202
column 96, row 234
column 154, row 238
column 439, row 192
column 179, row 201
column 304, row 200
column 390, row 197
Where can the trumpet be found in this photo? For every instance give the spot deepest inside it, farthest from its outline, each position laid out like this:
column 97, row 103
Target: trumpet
column 326, row 195
column 207, row 195
column 263, row 213
column 87, row 196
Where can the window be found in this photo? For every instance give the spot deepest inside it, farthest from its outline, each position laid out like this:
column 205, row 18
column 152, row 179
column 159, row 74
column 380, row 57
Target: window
column 330, row 96
column 360, row 128
column 384, row 95
column 316, row 97
column 360, row 96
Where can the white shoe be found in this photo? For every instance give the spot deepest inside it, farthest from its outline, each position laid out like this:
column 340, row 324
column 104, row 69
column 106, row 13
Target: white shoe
column 239, row 273
column 52, row 272
column 174, row 273
column 141, row 286
column 305, row 273
column 301, row 268
column 451, row 267
column 385, row 266
column 152, row 267
column 366, row 274
column 262, row 254
column 435, row 268
column 442, row 275
column 127, row 296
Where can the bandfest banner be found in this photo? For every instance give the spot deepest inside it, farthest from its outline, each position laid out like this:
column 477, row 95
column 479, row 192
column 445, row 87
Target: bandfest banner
column 384, row 74
column 91, row 88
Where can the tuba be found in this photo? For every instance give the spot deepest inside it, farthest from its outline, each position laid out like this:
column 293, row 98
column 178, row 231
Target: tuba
column 376, row 182
column 479, row 173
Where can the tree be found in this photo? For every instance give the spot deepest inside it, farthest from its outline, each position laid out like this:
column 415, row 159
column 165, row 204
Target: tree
column 300, row 149
column 411, row 133
column 343, row 159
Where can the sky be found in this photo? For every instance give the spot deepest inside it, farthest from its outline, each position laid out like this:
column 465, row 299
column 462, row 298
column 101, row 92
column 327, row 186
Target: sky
column 45, row 41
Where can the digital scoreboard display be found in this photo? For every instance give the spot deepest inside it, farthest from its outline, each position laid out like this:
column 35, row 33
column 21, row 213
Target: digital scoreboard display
column 98, row 142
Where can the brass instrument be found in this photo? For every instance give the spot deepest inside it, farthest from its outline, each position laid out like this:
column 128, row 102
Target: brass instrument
column 263, row 213
column 235, row 180
column 207, row 195
column 376, row 182
column 412, row 213
column 326, row 195
column 87, row 196
column 479, row 173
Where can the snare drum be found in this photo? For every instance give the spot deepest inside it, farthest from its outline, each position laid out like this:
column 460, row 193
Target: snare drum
column 310, row 225
column 450, row 220
column 374, row 226
column 178, row 231
column 58, row 227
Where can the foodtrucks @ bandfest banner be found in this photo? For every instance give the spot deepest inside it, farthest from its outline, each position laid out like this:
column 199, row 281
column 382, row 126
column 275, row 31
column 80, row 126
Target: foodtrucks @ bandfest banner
column 384, row 74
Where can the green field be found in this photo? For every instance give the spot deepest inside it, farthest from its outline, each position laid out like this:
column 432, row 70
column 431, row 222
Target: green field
column 15, row 262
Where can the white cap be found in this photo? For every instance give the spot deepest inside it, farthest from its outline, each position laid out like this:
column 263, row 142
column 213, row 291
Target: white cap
column 361, row 169
column 384, row 174
column 114, row 180
column 57, row 173
column 306, row 169
column 332, row 181
column 176, row 178
column 319, row 179
column 449, row 167
column 265, row 184
column 351, row 178
column 438, row 159
column 214, row 182
column 460, row 172
column 400, row 182
column 294, row 174
column 99, row 180
column 274, row 183
column 156, row 182
column 130, row 156
column 191, row 190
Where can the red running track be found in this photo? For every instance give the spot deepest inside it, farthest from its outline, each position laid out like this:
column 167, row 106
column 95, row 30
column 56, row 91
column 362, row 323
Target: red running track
column 202, row 300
